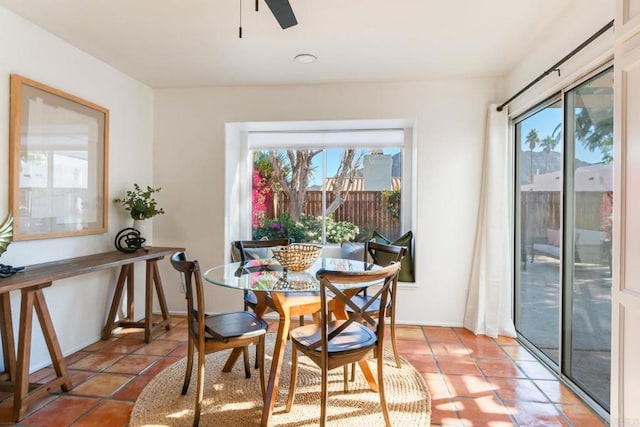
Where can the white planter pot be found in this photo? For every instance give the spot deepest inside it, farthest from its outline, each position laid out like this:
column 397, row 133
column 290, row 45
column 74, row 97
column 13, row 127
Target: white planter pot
column 144, row 227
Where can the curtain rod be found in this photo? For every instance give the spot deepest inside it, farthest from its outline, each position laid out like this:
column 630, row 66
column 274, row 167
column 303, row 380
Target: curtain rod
column 555, row 67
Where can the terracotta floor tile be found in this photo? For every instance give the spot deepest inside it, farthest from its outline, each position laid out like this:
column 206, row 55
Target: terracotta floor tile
column 178, row 333
column 461, row 365
column 557, row 392
column 502, row 340
column 158, row 347
column 467, row 337
column 444, row 413
column 581, row 416
column 180, row 351
column 483, row 411
column 470, row 386
column 132, row 364
column 518, row 352
column 486, row 350
column 62, row 411
column 101, row 385
column 438, row 388
column 160, row 365
column 449, row 349
column 100, row 344
column 409, row 333
column 499, row 368
column 110, row 413
column 123, row 345
column 73, row 358
column 412, row 347
column 536, row 370
column 96, row 361
column 517, row 389
column 536, row 414
column 438, row 334
column 133, row 388
column 422, row 362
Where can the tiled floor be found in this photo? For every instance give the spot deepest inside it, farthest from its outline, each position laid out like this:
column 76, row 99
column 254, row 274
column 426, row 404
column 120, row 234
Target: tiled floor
column 474, row 381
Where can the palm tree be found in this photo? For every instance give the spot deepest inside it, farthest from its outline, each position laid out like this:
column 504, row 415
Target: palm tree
column 549, row 144
column 532, row 140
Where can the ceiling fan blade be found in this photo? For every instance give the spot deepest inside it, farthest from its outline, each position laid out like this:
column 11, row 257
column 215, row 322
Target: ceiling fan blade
column 281, row 9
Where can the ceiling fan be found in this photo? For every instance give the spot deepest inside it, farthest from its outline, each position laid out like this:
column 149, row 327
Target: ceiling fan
column 282, row 11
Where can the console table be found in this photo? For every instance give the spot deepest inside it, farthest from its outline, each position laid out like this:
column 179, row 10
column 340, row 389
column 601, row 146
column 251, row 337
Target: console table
column 30, row 283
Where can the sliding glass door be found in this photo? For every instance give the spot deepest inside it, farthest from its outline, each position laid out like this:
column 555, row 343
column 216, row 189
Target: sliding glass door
column 565, row 199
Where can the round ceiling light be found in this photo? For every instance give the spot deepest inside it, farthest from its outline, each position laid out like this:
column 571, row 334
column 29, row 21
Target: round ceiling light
column 305, row 58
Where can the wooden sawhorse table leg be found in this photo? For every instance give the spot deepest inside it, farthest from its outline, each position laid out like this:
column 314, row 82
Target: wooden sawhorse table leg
column 17, row 371
column 152, row 279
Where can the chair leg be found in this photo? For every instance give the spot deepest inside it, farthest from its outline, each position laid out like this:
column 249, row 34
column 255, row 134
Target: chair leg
column 345, row 378
column 324, row 394
column 199, row 389
column 394, row 343
column 292, row 381
column 187, row 374
column 260, row 359
column 245, row 357
column 353, row 372
column 383, row 401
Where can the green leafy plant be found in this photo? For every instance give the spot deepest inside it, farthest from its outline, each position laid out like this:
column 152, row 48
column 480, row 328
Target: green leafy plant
column 140, row 203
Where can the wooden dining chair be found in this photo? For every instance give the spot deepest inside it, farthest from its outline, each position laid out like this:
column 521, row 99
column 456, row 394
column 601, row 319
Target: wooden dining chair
column 213, row 333
column 336, row 343
column 383, row 255
column 299, row 303
column 244, row 250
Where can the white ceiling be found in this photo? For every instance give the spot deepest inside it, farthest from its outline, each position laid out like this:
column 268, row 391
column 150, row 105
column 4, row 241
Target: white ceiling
column 192, row 43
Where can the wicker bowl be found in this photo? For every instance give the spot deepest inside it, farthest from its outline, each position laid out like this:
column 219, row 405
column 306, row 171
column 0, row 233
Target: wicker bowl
column 297, row 256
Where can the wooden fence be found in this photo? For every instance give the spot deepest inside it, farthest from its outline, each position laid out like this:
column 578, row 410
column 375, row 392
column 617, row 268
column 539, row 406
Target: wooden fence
column 369, row 210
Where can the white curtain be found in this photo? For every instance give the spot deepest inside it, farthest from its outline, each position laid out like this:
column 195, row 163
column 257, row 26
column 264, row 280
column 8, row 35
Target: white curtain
column 489, row 297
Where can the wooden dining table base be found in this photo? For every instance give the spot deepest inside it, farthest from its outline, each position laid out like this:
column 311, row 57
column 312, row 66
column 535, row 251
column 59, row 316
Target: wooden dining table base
column 286, row 313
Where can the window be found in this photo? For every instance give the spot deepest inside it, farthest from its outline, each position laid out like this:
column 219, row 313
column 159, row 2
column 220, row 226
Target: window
column 320, row 182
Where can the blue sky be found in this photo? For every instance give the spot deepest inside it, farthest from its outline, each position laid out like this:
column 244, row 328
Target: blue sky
column 545, row 121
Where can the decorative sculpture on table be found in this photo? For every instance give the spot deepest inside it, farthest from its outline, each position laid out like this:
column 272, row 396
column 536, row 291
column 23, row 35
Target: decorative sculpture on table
column 129, row 240
column 6, row 237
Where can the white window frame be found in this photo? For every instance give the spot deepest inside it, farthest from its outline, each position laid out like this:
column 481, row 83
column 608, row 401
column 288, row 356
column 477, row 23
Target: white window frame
column 239, row 166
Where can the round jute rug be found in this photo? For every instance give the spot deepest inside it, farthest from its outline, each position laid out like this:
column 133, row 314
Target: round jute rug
column 231, row 400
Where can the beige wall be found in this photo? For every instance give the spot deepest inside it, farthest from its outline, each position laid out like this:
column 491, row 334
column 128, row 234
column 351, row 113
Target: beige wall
column 450, row 114
column 78, row 306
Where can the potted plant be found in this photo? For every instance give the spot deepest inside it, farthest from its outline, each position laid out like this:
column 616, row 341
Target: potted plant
column 141, row 205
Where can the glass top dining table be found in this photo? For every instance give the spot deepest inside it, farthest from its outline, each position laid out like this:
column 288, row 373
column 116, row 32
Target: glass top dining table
column 269, row 275
column 273, row 285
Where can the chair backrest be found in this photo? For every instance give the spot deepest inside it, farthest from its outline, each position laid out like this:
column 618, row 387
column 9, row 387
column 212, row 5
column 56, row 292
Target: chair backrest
column 192, row 280
column 383, row 254
column 330, row 283
column 255, row 249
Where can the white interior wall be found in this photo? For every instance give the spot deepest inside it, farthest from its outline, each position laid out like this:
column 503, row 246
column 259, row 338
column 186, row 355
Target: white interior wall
column 79, row 305
column 189, row 164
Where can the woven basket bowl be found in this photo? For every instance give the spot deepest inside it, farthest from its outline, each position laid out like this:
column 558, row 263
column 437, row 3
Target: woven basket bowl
column 297, row 256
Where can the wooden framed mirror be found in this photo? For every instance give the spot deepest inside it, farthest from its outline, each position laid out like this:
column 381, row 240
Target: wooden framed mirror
column 58, row 162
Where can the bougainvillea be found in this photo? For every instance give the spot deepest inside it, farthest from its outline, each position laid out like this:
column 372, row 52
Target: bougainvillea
column 260, row 196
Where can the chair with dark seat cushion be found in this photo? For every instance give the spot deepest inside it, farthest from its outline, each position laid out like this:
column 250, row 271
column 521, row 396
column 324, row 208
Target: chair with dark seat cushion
column 213, row 333
column 245, row 250
column 359, row 337
column 383, row 255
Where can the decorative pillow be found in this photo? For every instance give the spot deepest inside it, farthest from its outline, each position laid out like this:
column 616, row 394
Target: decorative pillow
column 352, row 250
column 553, row 237
column 406, row 271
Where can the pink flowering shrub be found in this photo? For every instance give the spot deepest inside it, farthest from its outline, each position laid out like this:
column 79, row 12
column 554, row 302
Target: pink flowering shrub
column 261, row 195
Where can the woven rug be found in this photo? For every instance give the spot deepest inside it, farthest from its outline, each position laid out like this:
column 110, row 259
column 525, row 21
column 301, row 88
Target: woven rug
column 231, row 400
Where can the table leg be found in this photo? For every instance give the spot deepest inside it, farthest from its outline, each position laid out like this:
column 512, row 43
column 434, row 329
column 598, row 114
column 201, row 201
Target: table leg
column 8, row 345
column 25, row 393
column 278, row 354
